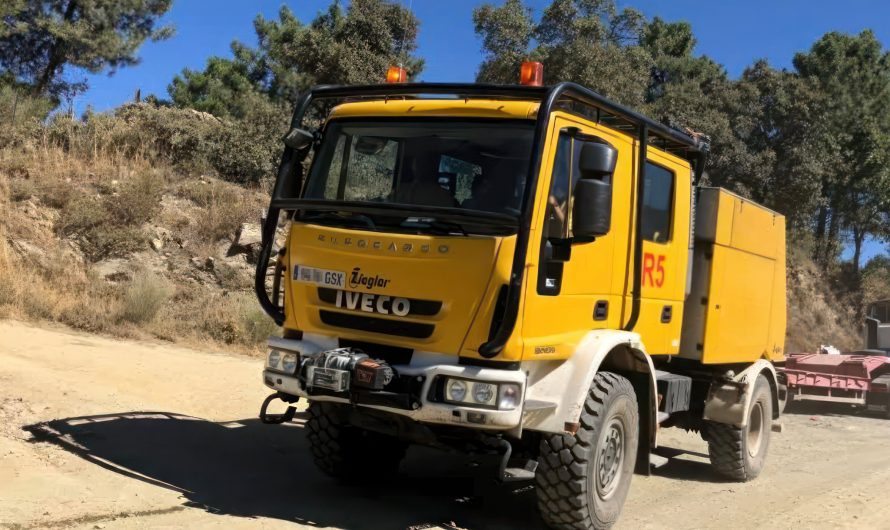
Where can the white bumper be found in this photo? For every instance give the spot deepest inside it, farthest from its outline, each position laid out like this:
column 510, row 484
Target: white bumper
column 428, row 366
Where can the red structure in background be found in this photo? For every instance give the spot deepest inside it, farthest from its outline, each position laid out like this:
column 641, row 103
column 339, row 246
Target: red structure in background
column 854, row 378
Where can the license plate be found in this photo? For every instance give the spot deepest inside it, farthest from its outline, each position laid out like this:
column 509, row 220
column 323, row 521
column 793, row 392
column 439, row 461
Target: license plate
column 329, row 378
column 876, row 408
column 323, row 277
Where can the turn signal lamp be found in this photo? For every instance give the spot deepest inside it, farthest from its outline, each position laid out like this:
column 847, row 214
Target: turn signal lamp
column 396, row 74
column 531, row 73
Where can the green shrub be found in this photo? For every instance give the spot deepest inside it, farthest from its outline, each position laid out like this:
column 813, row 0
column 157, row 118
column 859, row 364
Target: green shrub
column 144, row 297
column 101, row 235
column 138, row 201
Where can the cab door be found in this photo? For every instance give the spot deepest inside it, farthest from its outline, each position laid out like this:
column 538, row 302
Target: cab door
column 574, row 286
column 665, row 257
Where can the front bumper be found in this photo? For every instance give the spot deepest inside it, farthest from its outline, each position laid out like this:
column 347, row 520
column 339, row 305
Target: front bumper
column 427, row 410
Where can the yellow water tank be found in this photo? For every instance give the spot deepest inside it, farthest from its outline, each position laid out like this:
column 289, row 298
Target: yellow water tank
column 735, row 306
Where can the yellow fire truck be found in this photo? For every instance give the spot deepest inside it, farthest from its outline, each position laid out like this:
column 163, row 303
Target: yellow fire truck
column 530, row 272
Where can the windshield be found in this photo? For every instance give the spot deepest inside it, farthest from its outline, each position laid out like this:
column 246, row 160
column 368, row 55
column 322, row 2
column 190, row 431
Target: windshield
column 472, row 165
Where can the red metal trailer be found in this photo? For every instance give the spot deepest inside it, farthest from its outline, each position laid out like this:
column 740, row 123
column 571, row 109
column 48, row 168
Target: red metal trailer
column 858, row 379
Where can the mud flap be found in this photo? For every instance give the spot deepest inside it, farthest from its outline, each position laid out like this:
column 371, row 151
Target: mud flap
column 728, row 399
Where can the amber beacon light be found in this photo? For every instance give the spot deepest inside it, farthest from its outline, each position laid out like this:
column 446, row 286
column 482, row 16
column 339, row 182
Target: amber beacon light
column 396, row 74
column 531, row 73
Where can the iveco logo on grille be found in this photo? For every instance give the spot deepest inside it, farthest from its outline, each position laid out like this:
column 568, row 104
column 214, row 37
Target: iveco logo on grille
column 358, row 278
column 373, row 303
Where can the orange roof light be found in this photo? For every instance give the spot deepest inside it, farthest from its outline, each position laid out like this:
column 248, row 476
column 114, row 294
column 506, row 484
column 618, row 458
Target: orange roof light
column 531, row 74
column 396, row 74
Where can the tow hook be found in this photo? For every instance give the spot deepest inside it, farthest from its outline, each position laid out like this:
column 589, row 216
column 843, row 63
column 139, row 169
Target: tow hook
column 276, row 419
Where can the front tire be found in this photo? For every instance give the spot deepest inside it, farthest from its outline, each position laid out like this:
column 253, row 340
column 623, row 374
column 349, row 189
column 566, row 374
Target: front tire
column 346, row 452
column 583, row 479
column 740, row 453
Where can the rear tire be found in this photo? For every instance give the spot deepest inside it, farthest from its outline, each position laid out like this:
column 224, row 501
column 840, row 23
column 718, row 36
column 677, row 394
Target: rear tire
column 582, row 479
column 346, row 452
column 740, row 453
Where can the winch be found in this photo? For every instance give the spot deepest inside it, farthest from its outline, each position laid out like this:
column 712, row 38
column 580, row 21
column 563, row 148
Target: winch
column 340, row 368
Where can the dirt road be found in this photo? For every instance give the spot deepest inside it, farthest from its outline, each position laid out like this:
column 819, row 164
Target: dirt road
column 99, row 433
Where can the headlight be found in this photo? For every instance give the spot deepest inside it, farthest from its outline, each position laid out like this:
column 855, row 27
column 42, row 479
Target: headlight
column 508, row 396
column 274, row 358
column 289, row 363
column 456, row 389
column 503, row 396
column 483, row 393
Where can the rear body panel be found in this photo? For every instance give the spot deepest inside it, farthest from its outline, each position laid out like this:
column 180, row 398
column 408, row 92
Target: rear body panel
column 736, row 309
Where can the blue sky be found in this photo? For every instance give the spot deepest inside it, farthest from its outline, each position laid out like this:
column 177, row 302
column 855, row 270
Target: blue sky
column 734, row 33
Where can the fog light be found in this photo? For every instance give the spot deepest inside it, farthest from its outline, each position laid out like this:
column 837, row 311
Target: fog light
column 274, row 358
column 509, row 396
column 456, row 389
column 289, row 363
column 483, row 393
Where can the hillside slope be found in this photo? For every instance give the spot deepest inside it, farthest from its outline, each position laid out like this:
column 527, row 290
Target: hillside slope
column 123, row 225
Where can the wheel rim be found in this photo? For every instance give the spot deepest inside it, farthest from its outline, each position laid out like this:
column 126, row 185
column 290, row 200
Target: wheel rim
column 610, row 459
column 755, row 429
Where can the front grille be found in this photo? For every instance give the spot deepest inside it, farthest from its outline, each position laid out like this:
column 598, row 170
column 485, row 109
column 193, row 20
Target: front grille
column 418, row 307
column 390, row 354
column 384, row 326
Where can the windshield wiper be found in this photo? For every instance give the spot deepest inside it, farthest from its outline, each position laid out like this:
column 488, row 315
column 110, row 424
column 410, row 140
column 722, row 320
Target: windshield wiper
column 345, row 218
column 431, row 223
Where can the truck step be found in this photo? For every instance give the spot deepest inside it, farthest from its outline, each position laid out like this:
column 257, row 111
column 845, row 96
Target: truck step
column 521, row 471
column 656, row 461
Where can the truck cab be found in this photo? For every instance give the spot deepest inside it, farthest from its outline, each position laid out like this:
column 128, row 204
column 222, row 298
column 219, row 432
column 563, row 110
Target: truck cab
column 877, row 326
column 516, row 271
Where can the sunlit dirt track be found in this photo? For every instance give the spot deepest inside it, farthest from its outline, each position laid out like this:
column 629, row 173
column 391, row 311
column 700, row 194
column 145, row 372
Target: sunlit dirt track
column 101, row 433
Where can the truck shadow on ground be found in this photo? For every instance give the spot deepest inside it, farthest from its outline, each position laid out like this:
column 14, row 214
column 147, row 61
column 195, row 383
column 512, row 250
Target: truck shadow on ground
column 249, row 469
column 830, row 409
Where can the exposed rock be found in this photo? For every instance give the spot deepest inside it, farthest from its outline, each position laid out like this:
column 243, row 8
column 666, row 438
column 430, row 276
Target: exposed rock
column 158, row 237
column 248, row 235
column 248, row 240
column 114, row 270
column 27, row 250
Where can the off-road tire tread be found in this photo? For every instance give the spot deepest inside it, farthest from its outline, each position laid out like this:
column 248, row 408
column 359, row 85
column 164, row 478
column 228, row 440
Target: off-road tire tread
column 561, row 482
column 726, row 447
column 727, row 451
column 339, row 450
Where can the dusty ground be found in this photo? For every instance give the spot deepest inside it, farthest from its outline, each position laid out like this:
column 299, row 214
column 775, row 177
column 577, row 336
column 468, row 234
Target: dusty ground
column 98, row 433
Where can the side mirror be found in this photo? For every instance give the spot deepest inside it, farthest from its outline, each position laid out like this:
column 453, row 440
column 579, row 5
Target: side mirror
column 298, row 139
column 592, row 202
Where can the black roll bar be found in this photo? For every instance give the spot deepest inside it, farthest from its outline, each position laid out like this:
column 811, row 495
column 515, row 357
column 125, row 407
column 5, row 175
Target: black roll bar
column 289, row 178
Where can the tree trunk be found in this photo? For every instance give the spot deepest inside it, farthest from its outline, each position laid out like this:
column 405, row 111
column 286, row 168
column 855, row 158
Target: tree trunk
column 56, row 54
column 858, row 238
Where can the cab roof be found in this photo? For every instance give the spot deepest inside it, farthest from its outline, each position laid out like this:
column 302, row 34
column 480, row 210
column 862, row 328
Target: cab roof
column 472, row 108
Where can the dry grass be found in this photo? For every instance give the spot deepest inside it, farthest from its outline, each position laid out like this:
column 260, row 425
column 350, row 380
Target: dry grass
column 144, row 297
column 225, row 206
column 59, row 207
column 815, row 315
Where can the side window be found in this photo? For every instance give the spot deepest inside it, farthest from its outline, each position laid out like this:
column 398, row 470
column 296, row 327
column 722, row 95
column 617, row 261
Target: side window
column 556, row 216
column 658, row 204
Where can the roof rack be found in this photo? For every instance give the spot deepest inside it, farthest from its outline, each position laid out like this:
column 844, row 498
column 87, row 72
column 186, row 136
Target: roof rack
column 603, row 110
